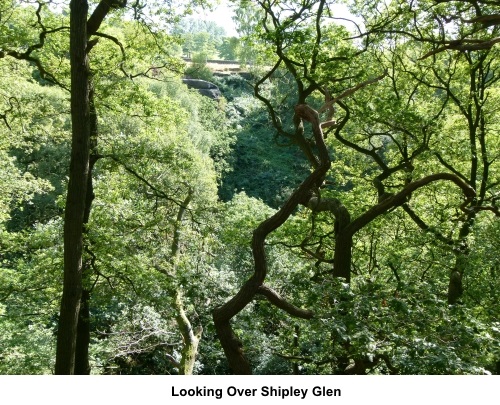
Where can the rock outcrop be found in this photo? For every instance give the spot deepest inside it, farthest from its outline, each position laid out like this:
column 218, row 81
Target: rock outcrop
column 205, row 88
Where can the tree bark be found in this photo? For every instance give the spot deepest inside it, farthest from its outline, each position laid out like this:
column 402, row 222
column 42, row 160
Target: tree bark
column 343, row 245
column 77, row 186
column 82, row 363
column 191, row 338
column 343, row 256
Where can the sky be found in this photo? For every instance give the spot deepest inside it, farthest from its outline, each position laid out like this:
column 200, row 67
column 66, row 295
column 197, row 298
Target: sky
column 222, row 15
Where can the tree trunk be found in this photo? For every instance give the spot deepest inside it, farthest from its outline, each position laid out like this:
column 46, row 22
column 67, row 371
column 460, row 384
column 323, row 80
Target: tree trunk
column 77, row 186
column 343, row 245
column 233, row 348
column 455, row 285
column 191, row 338
column 82, row 365
column 342, row 257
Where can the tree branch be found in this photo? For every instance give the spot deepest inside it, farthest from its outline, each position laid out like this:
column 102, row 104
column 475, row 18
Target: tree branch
column 100, row 13
column 399, row 199
column 274, row 298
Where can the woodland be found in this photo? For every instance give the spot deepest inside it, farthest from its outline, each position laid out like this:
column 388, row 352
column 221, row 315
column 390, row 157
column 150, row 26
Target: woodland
column 333, row 209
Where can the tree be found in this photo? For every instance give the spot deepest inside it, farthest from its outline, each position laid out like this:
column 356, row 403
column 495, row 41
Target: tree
column 230, row 48
column 154, row 153
column 199, row 37
column 84, row 118
column 311, row 66
column 247, row 18
column 81, row 30
column 456, row 45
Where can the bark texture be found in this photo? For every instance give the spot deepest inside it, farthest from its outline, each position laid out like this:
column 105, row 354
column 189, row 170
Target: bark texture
column 82, row 364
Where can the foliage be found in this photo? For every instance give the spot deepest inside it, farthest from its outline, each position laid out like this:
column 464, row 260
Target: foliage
column 199, row 69
column 199, row 37
column 230, row 49
column 181, row 184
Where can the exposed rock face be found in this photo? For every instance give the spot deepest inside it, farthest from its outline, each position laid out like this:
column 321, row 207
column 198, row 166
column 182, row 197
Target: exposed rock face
column 205, row 88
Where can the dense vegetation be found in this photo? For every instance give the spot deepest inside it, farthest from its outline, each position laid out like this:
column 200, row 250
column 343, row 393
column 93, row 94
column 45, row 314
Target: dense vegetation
column 334, row 211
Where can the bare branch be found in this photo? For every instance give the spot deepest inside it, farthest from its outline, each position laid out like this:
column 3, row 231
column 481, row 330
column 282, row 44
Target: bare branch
column 351, row 91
